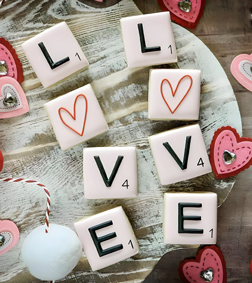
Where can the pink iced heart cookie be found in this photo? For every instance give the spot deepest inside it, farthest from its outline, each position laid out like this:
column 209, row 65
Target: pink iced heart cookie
column 9, row 236
column 13, row 101
column 10, row 64
column 241, row 68
column 229, row 153
column 209, row 266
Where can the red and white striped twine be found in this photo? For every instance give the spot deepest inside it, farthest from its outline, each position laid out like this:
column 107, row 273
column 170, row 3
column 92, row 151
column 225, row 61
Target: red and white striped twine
column 1, row 2
column 20, row 180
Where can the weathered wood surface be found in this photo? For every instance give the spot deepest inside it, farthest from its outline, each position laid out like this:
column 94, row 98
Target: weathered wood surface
column 31, row 150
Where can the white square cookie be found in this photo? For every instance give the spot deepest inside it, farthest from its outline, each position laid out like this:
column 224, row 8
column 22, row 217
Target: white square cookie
column 190, row 218
column 76, row 117
column 174, row 94
column 54, row 54
column 180, row 154
column 110, row 172
column 148, row 40
column 107, row 238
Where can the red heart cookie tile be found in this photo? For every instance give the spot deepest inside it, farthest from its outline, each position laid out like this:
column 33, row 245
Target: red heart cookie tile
column 186, row 19
column 73, row 117
column 183, row 94
column 241, row 68
column 9, row 59
column 13, row 101
column 9, row 236
column 209, row 264
column 229, row 153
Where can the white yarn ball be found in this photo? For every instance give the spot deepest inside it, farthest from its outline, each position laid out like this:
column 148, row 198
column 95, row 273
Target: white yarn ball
column 51, row 256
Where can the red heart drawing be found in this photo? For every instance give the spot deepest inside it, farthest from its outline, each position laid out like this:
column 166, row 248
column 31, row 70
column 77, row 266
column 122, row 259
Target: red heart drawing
column 9, row 56
column 10, row 235
column 185, row 19
column 10, row 85
column 174, row 92
column 227, row 139
column 74, row 115
column 210, row 257
column 241, row 69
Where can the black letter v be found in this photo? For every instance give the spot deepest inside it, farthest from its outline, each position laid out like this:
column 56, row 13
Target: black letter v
column 108, row 181
column 183, row 165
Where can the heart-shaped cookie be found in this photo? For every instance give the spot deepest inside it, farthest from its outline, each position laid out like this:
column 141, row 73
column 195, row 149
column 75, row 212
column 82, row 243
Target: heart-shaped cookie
column 9, row 236
column 10, row 62
column 229, row 153
column 13, row 101
column 241, row 68
column 183, row 93
column 186, row 19
column 75, row 122
column 209, row 264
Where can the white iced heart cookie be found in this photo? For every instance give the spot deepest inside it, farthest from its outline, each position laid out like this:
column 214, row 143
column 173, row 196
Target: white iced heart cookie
column 9, row 236
column 13, row 101
column 245, row 68
column 10, row 99
column 241, row 70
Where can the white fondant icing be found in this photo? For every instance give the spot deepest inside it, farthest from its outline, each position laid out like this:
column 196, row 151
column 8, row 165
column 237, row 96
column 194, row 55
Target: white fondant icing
column 124, row 236
column 185, row 103
column 60, row 43
column 208, row 222
column 124, row 184
column 94, row 124
column 168, row 169
column 157, row 31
